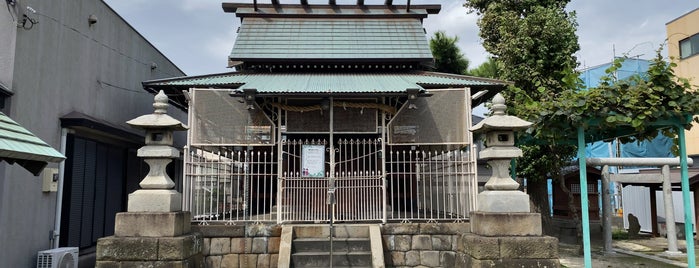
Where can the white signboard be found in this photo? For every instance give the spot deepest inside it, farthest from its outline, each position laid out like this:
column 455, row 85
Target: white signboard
column 313, row 161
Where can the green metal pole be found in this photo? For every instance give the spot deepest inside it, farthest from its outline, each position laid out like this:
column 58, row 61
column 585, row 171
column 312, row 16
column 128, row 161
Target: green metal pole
column 688, row 230
column 583, row 198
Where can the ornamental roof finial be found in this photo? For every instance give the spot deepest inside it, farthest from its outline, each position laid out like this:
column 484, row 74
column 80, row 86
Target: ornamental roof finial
column 499, row 106
column 160, row 103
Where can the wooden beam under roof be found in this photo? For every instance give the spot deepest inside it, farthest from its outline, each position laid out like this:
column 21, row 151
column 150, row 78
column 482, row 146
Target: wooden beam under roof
column 389, row 2
column 304, row 2
column 360, row 2
column 332, row 2
column 274, row 10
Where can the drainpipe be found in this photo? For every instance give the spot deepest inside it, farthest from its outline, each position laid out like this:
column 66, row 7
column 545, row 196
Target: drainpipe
column 59, row 194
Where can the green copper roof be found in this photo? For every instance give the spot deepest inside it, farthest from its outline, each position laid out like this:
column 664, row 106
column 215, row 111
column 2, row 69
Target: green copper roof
column 330, row 40
column 326, row 82
column 18, row 145
column 323, row 83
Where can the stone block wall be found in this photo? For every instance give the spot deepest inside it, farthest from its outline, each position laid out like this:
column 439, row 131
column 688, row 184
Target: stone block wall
column 507, row 251
column 251, row 245
column 422, row 244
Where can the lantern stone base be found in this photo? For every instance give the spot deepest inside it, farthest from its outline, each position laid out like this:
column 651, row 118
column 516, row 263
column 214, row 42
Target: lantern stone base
column 151, row 239
column 503, row 201
column 146, row 200
column 152, row 224
column 508, row 251
column 507, row 240
column 506, row 224
column 180, row 251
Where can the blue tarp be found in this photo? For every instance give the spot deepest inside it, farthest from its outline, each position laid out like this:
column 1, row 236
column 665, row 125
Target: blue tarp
column 659, row 147
column 591, row 76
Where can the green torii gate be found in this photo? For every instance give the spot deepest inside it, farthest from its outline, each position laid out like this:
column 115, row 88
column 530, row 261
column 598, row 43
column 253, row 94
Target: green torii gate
column 678, row 124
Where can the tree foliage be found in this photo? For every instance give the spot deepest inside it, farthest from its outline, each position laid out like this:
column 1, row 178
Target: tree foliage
column 487, row 69
column 534, row 42
column 447, row 55
column 634, row 106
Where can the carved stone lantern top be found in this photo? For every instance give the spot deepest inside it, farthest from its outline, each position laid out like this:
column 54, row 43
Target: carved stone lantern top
column 499, row 120
column 159, row 125
column 499, row 130
column 159, row 119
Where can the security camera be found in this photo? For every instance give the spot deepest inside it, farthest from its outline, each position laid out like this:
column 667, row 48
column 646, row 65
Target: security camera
column 30, row 9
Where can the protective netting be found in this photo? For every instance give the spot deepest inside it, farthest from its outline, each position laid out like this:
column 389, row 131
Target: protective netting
column 437, row 119
column 219, row 119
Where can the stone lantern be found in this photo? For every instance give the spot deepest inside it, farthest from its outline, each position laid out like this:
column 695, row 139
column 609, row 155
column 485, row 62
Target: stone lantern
column 157, row 193
column 501, row 194
column 155, row 232
column 506, row 232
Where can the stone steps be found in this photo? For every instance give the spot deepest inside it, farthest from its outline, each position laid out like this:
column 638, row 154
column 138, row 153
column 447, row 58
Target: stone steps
column 322, row 259
column 352, row 246
column 339, row 244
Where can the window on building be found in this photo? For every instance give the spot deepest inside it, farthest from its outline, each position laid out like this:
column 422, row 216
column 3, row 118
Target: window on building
column 689, row 46
column 100, row 173
column 95, row 189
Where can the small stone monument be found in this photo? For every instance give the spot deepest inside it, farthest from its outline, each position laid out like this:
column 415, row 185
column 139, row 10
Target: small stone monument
column 504, row 233
column 155, row 232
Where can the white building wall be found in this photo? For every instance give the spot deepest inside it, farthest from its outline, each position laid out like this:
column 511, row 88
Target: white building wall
column 64, row 64
column 8, row 29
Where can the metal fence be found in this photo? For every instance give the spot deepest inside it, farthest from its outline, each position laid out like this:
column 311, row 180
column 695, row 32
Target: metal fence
column 230, row 184
column 430, row 185
column 375, row 182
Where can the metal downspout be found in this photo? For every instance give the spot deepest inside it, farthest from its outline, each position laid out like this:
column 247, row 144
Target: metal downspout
column 59, row 193
column 331, row 184
column 384, row 180
column 280, row 168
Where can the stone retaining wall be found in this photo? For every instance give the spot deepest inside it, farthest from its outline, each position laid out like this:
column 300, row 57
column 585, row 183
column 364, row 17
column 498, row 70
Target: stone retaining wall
column 252, row 245
column 422, row 244
column 404, row 245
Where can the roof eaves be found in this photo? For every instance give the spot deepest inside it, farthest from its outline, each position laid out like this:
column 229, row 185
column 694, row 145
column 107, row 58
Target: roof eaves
column 468, row 77
column 19, row 145
column 170, row 79
column 234, row 7
column 5, row 91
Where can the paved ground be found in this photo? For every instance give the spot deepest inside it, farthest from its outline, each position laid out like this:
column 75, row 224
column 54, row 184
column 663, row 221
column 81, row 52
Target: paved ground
column 643, row 252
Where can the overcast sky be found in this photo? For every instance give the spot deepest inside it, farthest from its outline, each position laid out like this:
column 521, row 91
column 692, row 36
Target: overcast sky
column 198, row 36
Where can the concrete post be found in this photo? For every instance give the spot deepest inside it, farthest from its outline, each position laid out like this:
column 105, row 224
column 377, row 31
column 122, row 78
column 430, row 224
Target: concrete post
column 672, row 249
column 606, row 211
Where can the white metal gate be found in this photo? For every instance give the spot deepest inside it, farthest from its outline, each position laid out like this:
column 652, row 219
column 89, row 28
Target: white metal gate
column 358, row 177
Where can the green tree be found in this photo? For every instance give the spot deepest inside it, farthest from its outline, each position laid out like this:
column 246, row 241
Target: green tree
column 489, row 69
column 447, row 55
column 534, row 42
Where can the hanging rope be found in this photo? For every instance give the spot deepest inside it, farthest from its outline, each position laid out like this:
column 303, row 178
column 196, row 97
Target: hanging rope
column 358, row 105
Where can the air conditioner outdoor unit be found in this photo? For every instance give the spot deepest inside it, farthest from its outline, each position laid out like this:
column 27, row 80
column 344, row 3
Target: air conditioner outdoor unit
column 58, row 258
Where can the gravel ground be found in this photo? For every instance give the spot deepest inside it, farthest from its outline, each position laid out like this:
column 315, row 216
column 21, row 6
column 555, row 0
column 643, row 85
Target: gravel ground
column 570, row 257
